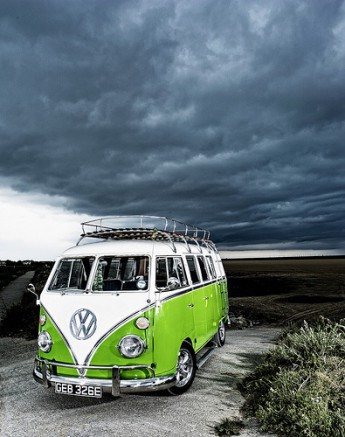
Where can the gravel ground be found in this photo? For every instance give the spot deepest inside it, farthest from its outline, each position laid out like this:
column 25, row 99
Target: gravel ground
column 28, row 409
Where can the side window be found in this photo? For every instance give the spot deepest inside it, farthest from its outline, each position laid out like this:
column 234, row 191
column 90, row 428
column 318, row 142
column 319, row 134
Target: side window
column 161, row 273
column 192, row 269
column 211, row 267
column 176, row 270
column 167, row 268
column 202, row 266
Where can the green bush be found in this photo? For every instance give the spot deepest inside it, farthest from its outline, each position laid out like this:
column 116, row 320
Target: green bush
column 228, row 428
column 299, row 389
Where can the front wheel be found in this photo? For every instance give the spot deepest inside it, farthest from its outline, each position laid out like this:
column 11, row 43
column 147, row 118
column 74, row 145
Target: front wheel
column 220, row 336
column 185, row 370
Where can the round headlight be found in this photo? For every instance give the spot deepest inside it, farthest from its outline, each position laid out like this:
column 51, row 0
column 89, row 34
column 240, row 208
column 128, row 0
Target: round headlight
column 45, row 341
column 131, row 346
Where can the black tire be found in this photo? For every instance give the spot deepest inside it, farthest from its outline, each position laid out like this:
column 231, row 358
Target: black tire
column 185, row 370
column 220, row 336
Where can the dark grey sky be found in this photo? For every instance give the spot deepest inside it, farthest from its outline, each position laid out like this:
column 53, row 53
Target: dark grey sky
column 226, row 114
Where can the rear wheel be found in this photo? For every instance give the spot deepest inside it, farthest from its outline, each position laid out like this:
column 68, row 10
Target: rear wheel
column 221, row 334
column 185, row 370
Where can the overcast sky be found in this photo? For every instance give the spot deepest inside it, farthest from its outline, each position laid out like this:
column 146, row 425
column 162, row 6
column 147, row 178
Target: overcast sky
column 224, row 114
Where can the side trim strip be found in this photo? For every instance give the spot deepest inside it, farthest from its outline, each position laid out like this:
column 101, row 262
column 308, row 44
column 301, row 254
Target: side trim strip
column 127, row 319
column 191, row 288
column 137, row 313
column 146, row 308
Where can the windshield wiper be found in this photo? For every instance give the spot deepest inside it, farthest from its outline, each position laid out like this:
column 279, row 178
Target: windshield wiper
column 66, row 290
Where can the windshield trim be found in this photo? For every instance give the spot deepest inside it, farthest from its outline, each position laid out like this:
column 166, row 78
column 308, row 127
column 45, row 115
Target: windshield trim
column 70, row 290
column 88, row 287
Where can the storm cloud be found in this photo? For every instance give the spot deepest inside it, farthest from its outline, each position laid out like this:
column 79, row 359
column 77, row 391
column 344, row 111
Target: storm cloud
column 228, row 115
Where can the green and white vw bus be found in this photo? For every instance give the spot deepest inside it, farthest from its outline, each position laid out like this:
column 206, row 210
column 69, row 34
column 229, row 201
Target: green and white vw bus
column 137, row 305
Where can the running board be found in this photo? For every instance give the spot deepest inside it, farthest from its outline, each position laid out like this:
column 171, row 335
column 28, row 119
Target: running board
column 206, row 355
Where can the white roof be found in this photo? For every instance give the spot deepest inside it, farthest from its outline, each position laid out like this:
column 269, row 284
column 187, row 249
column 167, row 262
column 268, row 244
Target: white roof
column 135, row 247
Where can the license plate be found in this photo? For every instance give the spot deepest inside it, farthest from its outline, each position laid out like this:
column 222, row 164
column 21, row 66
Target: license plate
column 90, row 391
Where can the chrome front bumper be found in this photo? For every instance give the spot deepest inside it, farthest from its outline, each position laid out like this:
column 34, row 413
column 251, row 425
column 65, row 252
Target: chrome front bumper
column 115, row 386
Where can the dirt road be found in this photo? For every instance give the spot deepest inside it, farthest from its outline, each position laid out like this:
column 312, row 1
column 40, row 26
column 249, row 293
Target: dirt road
column 28, row 409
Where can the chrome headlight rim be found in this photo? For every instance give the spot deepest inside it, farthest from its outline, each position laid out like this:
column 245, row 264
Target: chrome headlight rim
column 139, row 346
column 44, row 341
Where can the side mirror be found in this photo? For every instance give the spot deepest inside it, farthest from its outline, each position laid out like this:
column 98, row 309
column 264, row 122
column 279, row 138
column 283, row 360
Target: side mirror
column 31, row 288
column 173, row 283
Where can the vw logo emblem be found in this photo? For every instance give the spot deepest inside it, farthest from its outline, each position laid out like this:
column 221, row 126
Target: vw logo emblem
column 83, row 324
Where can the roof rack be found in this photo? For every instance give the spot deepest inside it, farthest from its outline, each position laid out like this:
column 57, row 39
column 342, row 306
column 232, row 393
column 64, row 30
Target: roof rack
column 141, row 227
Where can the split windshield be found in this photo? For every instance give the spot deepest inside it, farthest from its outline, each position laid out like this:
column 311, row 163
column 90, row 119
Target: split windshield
column 72, row 274
column 113, row 273
column 116, row 273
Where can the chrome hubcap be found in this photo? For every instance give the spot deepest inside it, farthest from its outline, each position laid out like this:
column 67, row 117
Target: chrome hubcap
column 184, row 368
column 221, row 331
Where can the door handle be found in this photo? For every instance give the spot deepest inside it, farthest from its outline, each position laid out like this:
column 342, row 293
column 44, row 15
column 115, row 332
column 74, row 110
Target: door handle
column 191, row 305
column 206, row 298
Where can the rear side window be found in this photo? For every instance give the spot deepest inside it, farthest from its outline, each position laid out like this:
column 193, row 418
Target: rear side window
column 211, row 267
column 192, row 269
column 202, row 266
column 167, row 268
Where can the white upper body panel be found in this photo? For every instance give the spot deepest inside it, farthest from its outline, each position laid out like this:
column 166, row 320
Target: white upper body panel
column 110, row 310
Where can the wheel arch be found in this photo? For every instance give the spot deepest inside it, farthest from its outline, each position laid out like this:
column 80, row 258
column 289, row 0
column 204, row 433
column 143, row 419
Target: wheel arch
column 188, row 341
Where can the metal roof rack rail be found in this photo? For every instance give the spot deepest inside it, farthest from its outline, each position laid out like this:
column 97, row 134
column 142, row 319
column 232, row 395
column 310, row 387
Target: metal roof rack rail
column 141, row 227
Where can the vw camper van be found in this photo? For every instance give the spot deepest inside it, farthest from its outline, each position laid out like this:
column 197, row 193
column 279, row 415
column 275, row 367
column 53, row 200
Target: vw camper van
column 137, row 305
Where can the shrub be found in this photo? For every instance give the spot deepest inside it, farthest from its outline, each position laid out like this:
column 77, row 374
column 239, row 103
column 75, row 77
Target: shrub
column 299, row 388
column 228, row 427
column 21, row 320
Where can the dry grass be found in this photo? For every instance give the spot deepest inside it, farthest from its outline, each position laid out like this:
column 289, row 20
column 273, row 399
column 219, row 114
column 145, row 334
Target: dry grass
column 287, row 290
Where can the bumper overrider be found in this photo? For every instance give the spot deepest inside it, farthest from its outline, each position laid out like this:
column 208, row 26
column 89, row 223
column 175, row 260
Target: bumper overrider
column 116, row 386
